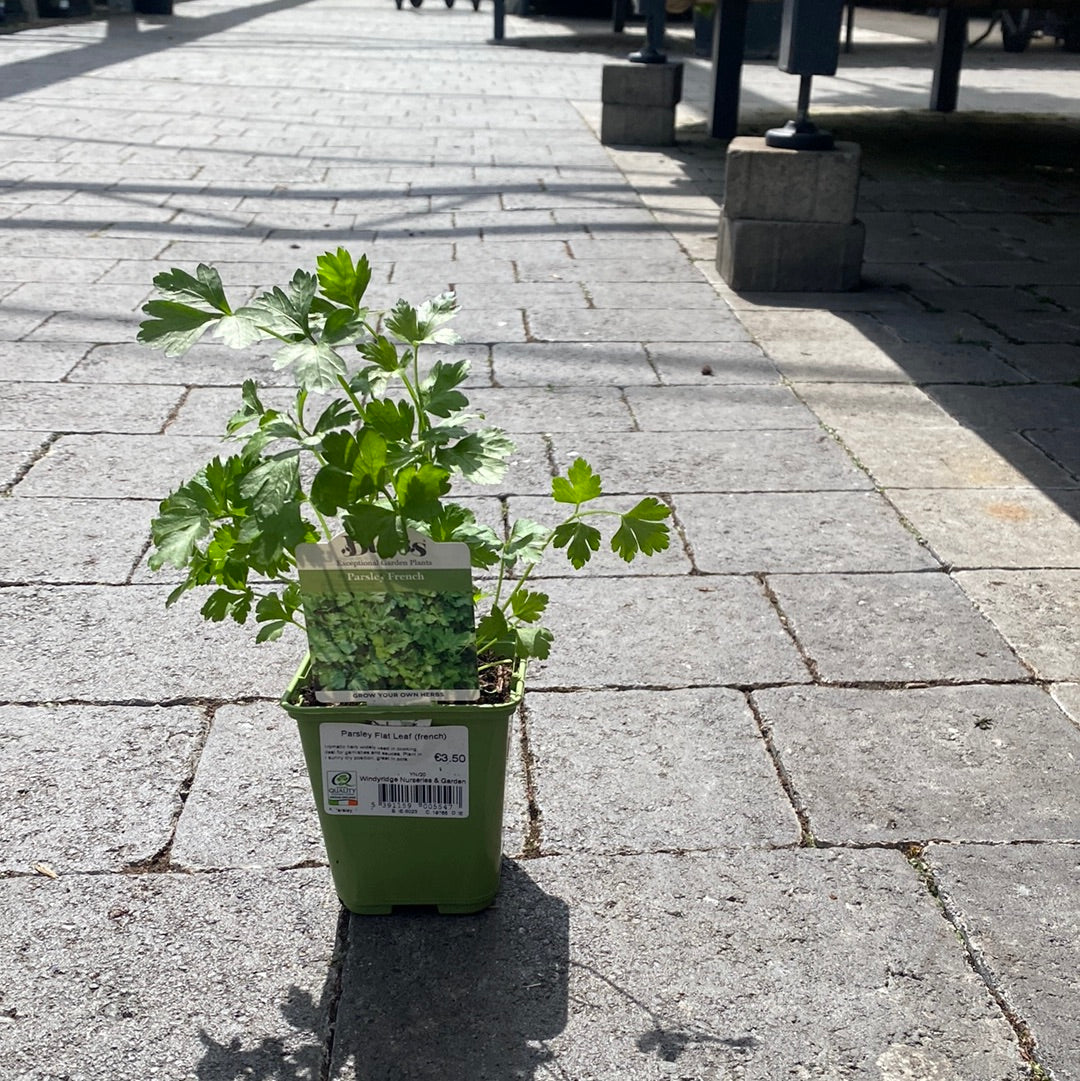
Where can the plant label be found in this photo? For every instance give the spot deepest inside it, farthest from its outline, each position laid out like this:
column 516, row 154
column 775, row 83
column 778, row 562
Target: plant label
column 382, row 631
column 388, row 771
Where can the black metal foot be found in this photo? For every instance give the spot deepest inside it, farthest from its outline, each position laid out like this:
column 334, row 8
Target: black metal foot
column 799, row 135
column 648, row 55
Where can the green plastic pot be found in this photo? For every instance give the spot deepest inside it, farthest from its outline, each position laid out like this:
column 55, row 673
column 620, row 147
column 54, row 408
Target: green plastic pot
column 380, row 861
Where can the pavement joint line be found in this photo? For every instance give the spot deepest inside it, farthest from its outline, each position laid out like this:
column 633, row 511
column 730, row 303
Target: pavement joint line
column 806, row 839
column 785, row 622
column 35, row 457
column 1025, row 1037
column 532, row 843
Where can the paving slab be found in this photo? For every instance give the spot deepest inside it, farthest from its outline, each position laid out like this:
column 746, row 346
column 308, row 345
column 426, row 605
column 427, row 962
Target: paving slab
column 716, row 631
column 877, row 407
column 709, row 461
column 1036, row 611
column 718, row 408
column 120, row 644
column 637, row 325
column 866, row 361
column 250, row 802
column 678, row 770
column 119, row 466
column 1061, row 444
column 892, row 627
column 541, row 364
column 18, row 450
column 753, row 965
column 1045, row 363
column 1013, row 407
column 553, row 409
column 1067, row 695
column 797, row 532
column 951, row 457
column 167, row 975
column 73, row 540
column 63, row 407
column 207, row 365
column 996, row 527
column 709, row 363
column 44, row 362
column 92, row 788
column 1019, row 909
column 903, row 766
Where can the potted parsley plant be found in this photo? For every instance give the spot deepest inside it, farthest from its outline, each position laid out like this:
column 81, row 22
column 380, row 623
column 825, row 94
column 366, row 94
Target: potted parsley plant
column 335, row 515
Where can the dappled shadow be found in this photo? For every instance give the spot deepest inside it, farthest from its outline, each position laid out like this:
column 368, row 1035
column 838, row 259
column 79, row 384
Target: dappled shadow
column 972, row 220
column 420, row 997
column 127, row 37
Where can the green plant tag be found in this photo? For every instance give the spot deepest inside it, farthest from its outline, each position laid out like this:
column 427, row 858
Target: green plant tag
column 397, row 630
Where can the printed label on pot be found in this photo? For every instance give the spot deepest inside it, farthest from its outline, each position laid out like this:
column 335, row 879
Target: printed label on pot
column 369, row 769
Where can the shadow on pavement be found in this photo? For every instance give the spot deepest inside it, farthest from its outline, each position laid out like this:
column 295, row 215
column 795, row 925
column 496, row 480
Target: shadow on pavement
column 423, row 997
column 142, row 36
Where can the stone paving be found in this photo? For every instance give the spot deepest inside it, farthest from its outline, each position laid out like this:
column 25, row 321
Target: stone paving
column 796, row 800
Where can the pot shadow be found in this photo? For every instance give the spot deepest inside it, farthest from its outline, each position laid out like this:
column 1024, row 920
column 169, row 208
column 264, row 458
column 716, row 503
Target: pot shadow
column 420, row 997
column 424, row 997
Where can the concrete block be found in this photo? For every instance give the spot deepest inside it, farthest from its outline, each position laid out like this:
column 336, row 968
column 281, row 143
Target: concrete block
column 637, row 125
column 767, row 183
column 789, row 256
column 642, row 84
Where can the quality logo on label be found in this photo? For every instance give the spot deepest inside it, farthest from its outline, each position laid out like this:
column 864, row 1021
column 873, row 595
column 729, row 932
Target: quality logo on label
column 341, row 789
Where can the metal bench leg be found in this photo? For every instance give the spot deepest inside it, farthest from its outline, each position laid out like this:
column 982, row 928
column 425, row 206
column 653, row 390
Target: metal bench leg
column 948, row 56
column 729, row 42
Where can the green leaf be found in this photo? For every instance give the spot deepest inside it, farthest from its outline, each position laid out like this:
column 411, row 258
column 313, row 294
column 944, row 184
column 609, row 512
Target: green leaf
column 376, row 528
column 226, row 602
column 382, row 352
column 394, row 420
column 269, row 632
column 481, row 457
column 526, row 543
column 494, row 635
column 340, row 413
column 240, row 329
column 344, row 325
column 579, row 540
column 403, row 322
column 286, row 314
column 528, row 606
column 272, row 483
column 316, row 364
column 340, row 280
column 437, row 391
column 578, row 486
column 205, row 286
column 643, row 530
column 456, row 523
column 534, row 642
column 251, row 408
column 433, row 315
column 174, row 327
column 356, row 470
column 419, row 489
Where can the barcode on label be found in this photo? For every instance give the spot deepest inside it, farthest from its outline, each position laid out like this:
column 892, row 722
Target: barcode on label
column 422, row 795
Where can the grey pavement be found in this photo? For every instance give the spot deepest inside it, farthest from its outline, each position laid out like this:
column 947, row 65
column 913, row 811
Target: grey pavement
column 796, row 800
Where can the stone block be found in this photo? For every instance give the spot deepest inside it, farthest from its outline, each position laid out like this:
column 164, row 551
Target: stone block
column 764, row 182
column 637, row 125
column 789, row 256
column 642, row 84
